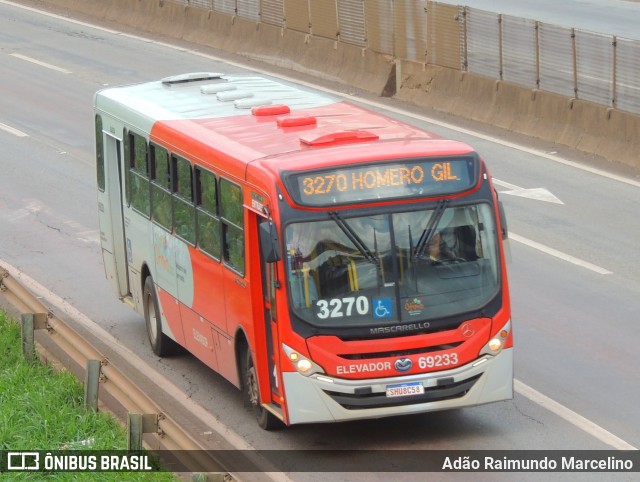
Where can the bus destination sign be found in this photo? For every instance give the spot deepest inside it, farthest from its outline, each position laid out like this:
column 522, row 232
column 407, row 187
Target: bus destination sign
column 375, row 182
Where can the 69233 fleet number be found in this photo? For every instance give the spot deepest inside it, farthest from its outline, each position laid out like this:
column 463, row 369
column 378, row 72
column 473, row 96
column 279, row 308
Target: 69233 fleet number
column 445, row 360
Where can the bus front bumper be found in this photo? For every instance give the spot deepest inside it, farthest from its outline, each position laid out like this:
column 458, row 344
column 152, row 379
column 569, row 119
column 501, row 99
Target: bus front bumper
column 326, row 399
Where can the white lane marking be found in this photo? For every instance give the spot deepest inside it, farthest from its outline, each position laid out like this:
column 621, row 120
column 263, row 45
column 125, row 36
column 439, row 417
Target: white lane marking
column 233, row 438
column 34, row 206
column 48, row 297
column 572, row 417
column 13, row 130
column 40, row 63
column 506, row 184
column 89, row 236
column 536, row 193
column 558, row 254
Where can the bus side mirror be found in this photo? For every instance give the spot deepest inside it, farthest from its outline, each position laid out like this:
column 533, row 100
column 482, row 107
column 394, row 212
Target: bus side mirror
column 269, row 242
column 503, row 220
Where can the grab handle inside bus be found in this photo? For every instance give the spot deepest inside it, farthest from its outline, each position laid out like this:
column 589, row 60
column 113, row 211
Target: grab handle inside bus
column 269, row 242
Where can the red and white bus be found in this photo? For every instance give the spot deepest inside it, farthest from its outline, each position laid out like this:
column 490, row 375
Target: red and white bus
column 333, row 263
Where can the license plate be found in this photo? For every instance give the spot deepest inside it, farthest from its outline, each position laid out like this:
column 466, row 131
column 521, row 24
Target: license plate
column 405, row 389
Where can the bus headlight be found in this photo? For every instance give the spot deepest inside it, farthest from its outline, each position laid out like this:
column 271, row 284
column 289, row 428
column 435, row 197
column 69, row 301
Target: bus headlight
column 302, row 364
column 495, row 345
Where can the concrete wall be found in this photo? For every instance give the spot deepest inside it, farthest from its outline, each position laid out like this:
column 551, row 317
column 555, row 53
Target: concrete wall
column 579, row 124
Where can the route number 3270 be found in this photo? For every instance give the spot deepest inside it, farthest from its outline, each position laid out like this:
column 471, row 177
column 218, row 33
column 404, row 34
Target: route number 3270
column 339, row 307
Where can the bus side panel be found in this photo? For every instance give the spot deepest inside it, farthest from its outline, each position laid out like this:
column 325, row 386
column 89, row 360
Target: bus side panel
column 238, row 306
column 225, row 352
column 170, row 312
column 164, row 251
column 209, row 297
column 164, row 245
column 199, row 337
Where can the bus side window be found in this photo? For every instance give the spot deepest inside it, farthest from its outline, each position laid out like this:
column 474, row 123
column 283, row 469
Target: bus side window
column 208, row 223
column 139, row 185
column 183, row 208
column 231, row 214
column 160, row 184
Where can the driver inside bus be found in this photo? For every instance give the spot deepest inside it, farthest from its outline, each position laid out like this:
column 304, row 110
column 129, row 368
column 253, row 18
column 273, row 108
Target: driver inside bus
column 437, row 249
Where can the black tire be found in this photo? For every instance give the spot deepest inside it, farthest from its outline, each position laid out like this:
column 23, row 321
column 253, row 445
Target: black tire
column 161, row 344
column 266, row 420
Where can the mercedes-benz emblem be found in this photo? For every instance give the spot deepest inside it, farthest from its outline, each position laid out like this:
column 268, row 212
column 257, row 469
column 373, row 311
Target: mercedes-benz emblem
column 467, row 330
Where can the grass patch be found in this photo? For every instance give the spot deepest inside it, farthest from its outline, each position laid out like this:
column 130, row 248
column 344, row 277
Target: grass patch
column 42, row 409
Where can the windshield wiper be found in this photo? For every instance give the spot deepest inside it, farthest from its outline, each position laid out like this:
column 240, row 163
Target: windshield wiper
column 354, row 238
column 429, row 230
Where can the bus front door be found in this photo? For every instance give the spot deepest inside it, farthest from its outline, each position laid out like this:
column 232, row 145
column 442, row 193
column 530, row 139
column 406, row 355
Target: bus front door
column 110, row 205
column 269, row 284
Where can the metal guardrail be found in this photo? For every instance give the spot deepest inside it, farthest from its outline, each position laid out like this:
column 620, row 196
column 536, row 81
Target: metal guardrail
column 145, row 417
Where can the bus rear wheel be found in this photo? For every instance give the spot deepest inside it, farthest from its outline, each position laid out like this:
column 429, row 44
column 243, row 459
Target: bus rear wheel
column 161, row 344
column 266, row 420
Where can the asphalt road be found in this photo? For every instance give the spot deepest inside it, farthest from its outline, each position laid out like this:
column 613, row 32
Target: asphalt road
column 574, row 274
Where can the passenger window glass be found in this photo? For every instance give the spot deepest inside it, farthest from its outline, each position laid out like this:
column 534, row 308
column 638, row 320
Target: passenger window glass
column 138, row 179
column 138, row 146
column 161, row 173
column 209, row 227
column 231, row 202
column 232, row 224
column 183, row 178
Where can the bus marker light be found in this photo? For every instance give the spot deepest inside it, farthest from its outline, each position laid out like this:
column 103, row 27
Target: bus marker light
column 276, row 109
column 297, row 121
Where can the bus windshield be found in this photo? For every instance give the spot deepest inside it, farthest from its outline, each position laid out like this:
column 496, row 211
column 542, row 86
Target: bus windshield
column 392, row 268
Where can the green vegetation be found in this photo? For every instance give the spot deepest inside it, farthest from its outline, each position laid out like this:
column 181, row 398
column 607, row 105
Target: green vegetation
column 42, row 409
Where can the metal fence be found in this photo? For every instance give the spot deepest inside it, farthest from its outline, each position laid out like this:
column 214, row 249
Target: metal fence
column 570, row 62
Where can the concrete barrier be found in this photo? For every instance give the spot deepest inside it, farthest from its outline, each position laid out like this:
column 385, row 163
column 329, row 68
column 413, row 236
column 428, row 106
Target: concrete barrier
column 578, row 124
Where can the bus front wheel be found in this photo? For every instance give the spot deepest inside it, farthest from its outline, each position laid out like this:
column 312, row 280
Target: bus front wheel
column 266, row 420
column 161, row 344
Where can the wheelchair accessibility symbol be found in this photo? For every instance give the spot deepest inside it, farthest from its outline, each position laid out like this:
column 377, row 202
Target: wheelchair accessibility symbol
column 382, row 308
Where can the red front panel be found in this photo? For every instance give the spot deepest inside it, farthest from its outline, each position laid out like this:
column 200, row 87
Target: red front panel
column 376, row 358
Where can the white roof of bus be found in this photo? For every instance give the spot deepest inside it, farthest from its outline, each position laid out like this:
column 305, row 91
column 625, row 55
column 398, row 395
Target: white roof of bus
column 223, row 96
